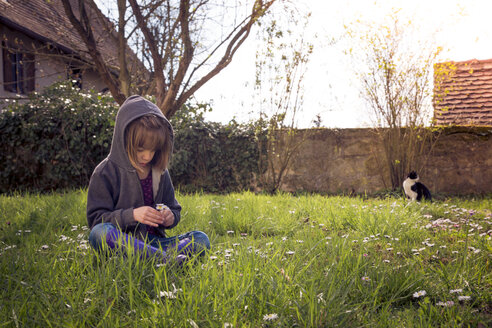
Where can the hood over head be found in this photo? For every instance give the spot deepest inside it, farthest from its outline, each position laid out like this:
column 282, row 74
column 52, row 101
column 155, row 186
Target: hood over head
column 133, row 108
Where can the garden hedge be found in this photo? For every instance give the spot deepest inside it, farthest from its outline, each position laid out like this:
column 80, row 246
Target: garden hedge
column 53, row 141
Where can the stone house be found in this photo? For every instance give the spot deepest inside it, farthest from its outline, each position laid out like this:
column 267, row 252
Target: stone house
column 463, row 93
column 39, row 46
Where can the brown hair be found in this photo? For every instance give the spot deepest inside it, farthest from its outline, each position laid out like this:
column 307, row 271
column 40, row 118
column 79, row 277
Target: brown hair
column 148, row 132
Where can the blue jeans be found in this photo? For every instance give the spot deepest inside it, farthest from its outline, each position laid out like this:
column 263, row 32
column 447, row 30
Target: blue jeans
column 98, row 236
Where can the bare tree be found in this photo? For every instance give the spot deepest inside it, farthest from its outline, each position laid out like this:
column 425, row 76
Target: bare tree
column 395, row 72
column 280, row 68
column 182, row 43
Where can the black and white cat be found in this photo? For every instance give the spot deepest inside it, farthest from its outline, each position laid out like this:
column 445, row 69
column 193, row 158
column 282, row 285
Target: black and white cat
column 414, row 189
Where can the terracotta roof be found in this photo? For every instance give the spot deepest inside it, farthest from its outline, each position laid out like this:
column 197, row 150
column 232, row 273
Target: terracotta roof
column 463, row 93
column 46, row 20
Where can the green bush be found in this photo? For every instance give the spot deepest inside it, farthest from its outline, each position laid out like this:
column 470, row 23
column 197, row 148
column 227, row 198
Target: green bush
column 55, row 139
column 210, row 156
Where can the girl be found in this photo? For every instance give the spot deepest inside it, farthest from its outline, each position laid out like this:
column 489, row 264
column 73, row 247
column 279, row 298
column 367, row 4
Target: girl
column 126, row 187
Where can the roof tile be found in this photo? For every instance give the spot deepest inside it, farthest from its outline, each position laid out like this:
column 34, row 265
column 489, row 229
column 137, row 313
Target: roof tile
column 463, row 93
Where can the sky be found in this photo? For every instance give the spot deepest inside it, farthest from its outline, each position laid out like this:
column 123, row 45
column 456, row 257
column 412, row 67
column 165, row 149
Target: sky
column 461, row 27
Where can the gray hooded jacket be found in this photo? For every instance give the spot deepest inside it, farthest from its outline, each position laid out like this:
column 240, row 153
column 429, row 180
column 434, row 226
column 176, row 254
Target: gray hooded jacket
column 114, row 187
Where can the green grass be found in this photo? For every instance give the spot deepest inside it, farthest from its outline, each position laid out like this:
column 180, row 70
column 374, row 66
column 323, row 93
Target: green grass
column 306, row 261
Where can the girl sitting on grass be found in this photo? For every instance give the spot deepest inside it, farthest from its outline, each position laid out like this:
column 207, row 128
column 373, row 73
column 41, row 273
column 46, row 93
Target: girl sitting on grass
column 127, row 185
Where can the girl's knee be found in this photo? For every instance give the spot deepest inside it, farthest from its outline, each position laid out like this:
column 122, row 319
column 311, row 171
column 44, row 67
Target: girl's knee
column 97, row 236
column 201, row 238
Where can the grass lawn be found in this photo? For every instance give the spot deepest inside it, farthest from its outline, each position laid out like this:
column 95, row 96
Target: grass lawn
column 276, row 261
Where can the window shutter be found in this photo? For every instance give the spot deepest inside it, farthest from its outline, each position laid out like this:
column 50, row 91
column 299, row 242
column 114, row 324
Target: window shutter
column 8, row 69
column 29, row 72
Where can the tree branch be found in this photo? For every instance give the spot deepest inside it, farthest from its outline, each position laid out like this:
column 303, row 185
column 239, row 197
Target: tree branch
column 167, row 103
column 259, row 9
column 161, row 87
column 124, row 76
column 89, row 41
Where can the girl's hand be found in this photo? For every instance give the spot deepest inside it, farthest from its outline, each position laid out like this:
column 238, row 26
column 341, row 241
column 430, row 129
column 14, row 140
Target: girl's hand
column 148, row 215
column 152, row 217
column 168, row 217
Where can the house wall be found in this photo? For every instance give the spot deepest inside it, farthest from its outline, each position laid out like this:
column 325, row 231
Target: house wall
column 92, row 80
column 50, row 66
column 351, row 160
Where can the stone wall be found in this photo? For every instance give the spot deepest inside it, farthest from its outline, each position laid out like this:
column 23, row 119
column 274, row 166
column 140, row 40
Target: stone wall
column 351, row 160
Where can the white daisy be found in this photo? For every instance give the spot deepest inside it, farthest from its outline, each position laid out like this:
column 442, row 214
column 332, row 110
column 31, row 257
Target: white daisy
column 270, row 317
column 420, row 293
column 464, row 298
column 167, row 294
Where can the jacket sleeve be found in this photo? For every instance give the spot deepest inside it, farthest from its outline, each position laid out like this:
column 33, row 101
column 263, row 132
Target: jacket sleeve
column 169, row 199
column 101, row 202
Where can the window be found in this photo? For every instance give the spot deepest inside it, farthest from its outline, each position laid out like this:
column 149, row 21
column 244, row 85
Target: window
column 75, row 75
column 18, row 70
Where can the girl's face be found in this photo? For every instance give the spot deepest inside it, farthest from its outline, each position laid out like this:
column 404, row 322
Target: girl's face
column 144, row 157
